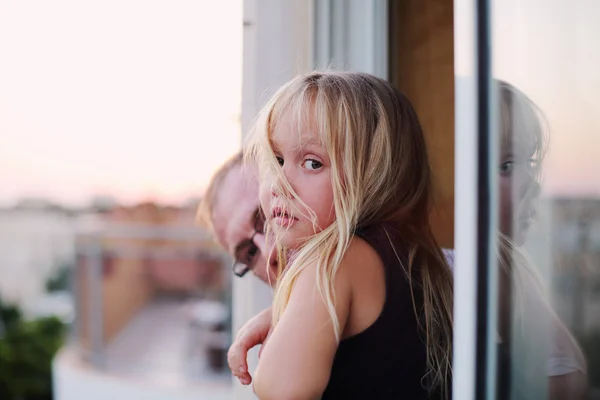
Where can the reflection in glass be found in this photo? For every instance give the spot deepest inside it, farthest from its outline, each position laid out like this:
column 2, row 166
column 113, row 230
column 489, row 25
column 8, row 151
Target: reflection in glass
column 548, row 144
column 552, row 360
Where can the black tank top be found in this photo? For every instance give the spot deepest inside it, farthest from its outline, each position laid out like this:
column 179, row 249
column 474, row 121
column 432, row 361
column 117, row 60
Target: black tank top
column 388, row 359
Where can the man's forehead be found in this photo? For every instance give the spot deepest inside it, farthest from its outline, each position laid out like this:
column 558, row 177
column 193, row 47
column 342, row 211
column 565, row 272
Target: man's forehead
column 240, row 182
column 235, row 206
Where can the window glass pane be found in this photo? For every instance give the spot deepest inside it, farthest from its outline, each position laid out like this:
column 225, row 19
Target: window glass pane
column 546, row 58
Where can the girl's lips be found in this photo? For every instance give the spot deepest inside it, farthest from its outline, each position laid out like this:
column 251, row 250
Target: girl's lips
column 282, row 217
column 280, row 212
column 284, row 221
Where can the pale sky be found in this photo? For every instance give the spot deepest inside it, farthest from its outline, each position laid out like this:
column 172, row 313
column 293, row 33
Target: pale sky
column 141, row 99
column 550, row 49
column 137, row 99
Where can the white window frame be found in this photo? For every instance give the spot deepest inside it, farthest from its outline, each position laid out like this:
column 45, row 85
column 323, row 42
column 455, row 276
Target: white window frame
column 351, row 35
column 475, row 275
column 276, row 47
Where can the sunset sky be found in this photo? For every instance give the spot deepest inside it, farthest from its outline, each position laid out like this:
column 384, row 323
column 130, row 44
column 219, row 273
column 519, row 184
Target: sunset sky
column 550, row 49
column 141, row 100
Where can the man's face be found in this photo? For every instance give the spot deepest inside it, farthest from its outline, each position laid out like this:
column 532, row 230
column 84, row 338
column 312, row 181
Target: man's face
column 234, row 218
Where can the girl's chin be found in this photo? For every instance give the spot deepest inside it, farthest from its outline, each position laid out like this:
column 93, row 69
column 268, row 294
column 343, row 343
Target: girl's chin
column 287, row 238
column 291, row 244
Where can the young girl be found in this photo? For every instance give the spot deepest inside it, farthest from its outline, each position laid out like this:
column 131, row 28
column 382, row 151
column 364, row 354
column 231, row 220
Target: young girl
column 551, row 365
column 363, row 301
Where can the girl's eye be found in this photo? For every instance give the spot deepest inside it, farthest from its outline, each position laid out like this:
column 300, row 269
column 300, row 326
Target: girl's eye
column 279, row 160
column 312, row 165
column 507, row 167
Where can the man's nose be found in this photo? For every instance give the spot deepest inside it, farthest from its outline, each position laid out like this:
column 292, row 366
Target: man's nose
column 260, row 242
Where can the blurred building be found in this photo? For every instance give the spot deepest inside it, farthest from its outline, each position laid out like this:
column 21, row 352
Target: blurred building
column 575, row 240
column 152, row 300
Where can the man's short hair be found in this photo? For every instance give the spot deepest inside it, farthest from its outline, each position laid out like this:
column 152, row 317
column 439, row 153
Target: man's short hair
column 204, row 215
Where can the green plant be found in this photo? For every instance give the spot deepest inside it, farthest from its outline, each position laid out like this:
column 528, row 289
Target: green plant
column 26, row 352
column 9, row 316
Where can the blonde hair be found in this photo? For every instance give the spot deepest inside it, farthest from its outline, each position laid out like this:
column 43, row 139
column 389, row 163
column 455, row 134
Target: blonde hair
column 204, row 213
column 380, row 173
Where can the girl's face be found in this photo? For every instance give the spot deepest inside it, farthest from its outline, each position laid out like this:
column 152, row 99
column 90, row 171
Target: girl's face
column 306, row 166
column 519, row 188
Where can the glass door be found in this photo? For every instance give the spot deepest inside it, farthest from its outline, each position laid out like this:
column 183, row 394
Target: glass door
column 528, row 233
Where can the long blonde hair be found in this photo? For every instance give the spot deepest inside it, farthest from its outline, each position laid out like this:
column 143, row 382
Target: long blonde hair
column 380, row 173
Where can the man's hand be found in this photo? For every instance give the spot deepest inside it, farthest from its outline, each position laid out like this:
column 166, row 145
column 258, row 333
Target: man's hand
column 253, row 333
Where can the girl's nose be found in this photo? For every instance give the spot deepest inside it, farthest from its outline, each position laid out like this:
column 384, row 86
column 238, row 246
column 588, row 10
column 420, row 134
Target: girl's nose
column 279, row 188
